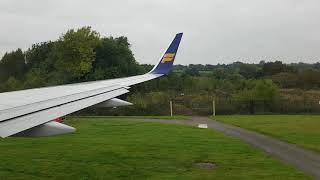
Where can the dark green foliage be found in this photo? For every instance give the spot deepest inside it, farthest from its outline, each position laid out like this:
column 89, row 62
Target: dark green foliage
column 192, row 71
column 12, row 64
column 272, row 68
column 114, row 59
column 259, row 94
column 78, row 55
column 286, row 80
column 38, row 53
column 309, row 79
column 73, row 55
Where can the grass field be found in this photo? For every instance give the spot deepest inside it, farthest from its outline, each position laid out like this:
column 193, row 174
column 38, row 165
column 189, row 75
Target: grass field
column 303, row 130
column 176, row 117
column 102, row 149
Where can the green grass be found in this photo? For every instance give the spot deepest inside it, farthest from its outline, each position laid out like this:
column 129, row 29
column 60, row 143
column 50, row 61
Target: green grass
column 302, row 130
column 136, row 150
column 177, row 117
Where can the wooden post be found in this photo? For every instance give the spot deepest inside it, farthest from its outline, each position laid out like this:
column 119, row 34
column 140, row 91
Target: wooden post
column 171, row 108
column 213, row 108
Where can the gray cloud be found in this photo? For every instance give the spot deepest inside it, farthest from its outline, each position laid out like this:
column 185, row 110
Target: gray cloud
column 215, row 31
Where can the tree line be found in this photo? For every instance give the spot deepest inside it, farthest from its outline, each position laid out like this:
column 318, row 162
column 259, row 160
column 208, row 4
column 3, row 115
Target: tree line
column 84, row 55
column 77, row 56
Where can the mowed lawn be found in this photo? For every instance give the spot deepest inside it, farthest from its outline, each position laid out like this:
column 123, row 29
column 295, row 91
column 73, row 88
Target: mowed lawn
column 303, row 130
column 176, row 117
column 103, row 149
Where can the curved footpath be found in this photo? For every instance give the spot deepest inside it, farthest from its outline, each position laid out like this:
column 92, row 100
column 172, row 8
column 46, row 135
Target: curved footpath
column 303, row 159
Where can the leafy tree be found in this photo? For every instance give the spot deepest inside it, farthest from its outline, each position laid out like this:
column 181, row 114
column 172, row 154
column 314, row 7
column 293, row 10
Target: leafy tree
column 115, row 59
column 35, row 78
column 263, row 92
column 38, row 53
column 192, row 71
column 249, row 71
column 12, row 65
column 272, row 68
column 73, row 55
column 12, row 84
column 309, row 79
column 286, row 80
column 220, row 73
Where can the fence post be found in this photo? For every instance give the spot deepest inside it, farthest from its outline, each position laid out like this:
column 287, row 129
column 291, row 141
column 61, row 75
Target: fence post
column 171, row 108
column 213, row 108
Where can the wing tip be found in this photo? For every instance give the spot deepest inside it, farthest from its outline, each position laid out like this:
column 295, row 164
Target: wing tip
column 166, row 62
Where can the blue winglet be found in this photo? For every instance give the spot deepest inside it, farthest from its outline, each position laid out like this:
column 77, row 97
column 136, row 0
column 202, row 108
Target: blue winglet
column 166, row 62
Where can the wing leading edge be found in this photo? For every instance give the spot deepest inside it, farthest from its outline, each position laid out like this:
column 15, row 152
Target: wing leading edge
column 27, row 109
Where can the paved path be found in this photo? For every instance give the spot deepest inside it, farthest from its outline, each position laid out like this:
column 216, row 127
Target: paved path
column 303, row 159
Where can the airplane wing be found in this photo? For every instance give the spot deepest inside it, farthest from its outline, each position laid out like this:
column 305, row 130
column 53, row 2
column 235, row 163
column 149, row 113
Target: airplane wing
column 32, row 112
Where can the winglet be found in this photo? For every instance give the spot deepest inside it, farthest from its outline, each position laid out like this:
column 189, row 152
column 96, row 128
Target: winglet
column 166, row 62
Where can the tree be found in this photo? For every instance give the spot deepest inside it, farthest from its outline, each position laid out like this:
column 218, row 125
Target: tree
column 259, row 93
column 12, row 84
column 114, row 59
column 35, row 78
column 73, row 55
column 309, row 79
column 286, row 80
column 38, row 53
column 192, row 71
column 220, row 73
column 249, row 71
column 272, row 68
column 12, row 65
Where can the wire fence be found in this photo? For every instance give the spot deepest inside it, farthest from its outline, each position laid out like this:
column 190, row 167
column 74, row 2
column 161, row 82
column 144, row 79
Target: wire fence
column 231, row 106
column 203, row 105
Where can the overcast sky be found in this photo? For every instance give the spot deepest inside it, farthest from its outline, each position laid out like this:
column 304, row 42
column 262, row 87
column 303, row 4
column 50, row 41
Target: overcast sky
column 215, row 31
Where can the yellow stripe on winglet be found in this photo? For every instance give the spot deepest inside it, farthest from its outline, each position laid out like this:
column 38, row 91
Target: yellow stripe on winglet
column 167, row 57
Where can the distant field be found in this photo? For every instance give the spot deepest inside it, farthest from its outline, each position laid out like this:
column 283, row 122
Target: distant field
column 136, row 150
column 303, row 130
